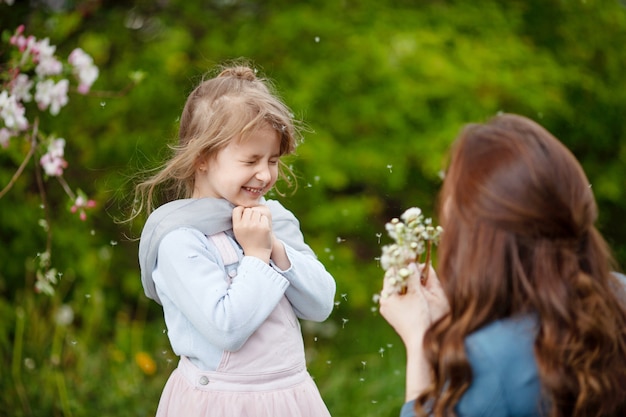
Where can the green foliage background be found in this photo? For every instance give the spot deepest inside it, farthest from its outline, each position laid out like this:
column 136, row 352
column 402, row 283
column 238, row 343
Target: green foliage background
column 383, row 87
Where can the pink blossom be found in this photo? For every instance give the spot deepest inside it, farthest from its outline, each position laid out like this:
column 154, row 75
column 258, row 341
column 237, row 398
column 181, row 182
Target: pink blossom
column 80, row 204
column 18, row 39
column 5, row 136
column 52, row 161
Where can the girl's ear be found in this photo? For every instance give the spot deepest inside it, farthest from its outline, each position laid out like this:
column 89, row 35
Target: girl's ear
column 201, row 163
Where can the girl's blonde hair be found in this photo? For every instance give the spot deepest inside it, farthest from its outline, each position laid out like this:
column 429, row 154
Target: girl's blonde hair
column 232, row 105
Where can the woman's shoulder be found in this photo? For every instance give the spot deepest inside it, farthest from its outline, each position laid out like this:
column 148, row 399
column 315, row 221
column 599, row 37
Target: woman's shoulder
column 504, row 340
column 504, row 369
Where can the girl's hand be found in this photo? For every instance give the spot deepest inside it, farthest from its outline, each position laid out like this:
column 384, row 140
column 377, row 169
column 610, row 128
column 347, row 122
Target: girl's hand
column 278, row 255
column 252, row 227
column 412, row 313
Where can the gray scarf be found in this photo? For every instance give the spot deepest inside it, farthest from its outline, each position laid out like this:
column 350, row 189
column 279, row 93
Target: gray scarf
column 209, row 216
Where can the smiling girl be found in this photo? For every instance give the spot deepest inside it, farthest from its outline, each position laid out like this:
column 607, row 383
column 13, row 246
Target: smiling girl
column 230, row 268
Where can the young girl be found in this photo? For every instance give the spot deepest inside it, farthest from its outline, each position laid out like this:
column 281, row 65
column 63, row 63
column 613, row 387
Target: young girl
column 528, row 319
column 231, row 269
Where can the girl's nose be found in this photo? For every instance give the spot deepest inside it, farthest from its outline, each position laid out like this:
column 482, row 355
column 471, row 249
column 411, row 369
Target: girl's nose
column 264, row 174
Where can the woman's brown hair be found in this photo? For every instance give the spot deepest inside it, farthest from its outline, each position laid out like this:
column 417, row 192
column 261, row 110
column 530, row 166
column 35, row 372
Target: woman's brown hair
column 519, row 238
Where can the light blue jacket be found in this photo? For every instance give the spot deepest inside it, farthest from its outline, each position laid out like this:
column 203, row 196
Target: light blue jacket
column 205, row 314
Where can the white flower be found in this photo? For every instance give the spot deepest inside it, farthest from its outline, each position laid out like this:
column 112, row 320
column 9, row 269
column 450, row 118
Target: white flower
column 411, row 214
column 20, row 88
column 43, row 49
column 84, row 69
column 413, row 235
column 48, row 65
column 49, row 94
column 79, row 58
column 12, row 112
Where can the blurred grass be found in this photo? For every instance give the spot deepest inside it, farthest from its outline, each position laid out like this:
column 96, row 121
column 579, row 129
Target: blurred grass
column 69, row 360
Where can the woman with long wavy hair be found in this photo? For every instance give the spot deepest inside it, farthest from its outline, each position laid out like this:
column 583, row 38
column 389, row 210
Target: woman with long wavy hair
column 524, row 316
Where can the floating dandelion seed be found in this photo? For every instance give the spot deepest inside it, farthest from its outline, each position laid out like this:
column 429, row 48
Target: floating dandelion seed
column 344, row 296
column 343, row 322
column 390, row 168
column 113, row 243
column 317, row 39
column 103, row 103
column 316, row 178
column 378, row 236
column 363, row 363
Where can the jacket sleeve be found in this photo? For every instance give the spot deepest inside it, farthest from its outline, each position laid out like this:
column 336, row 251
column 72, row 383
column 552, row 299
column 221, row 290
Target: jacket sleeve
column 190, row 273
column 311, row 290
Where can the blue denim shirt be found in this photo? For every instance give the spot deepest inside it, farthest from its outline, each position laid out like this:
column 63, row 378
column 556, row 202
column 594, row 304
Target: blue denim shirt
column 505, row 379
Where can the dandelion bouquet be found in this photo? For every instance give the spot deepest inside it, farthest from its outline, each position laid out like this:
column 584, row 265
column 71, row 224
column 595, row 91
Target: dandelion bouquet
column 413, row 237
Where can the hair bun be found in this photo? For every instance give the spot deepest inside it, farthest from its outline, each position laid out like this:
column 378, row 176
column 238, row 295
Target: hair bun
column 245, row 73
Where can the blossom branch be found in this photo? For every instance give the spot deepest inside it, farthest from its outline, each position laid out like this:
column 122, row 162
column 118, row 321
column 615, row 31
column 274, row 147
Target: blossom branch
column 20, row 169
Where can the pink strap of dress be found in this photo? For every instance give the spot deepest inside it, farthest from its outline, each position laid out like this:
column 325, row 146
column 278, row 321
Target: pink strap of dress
column 276, row 345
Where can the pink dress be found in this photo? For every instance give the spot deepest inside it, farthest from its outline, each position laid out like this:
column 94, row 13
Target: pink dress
column 267, row 377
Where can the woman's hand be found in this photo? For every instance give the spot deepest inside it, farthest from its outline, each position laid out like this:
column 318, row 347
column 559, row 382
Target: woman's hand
column 412, row 313
column 252, row 227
